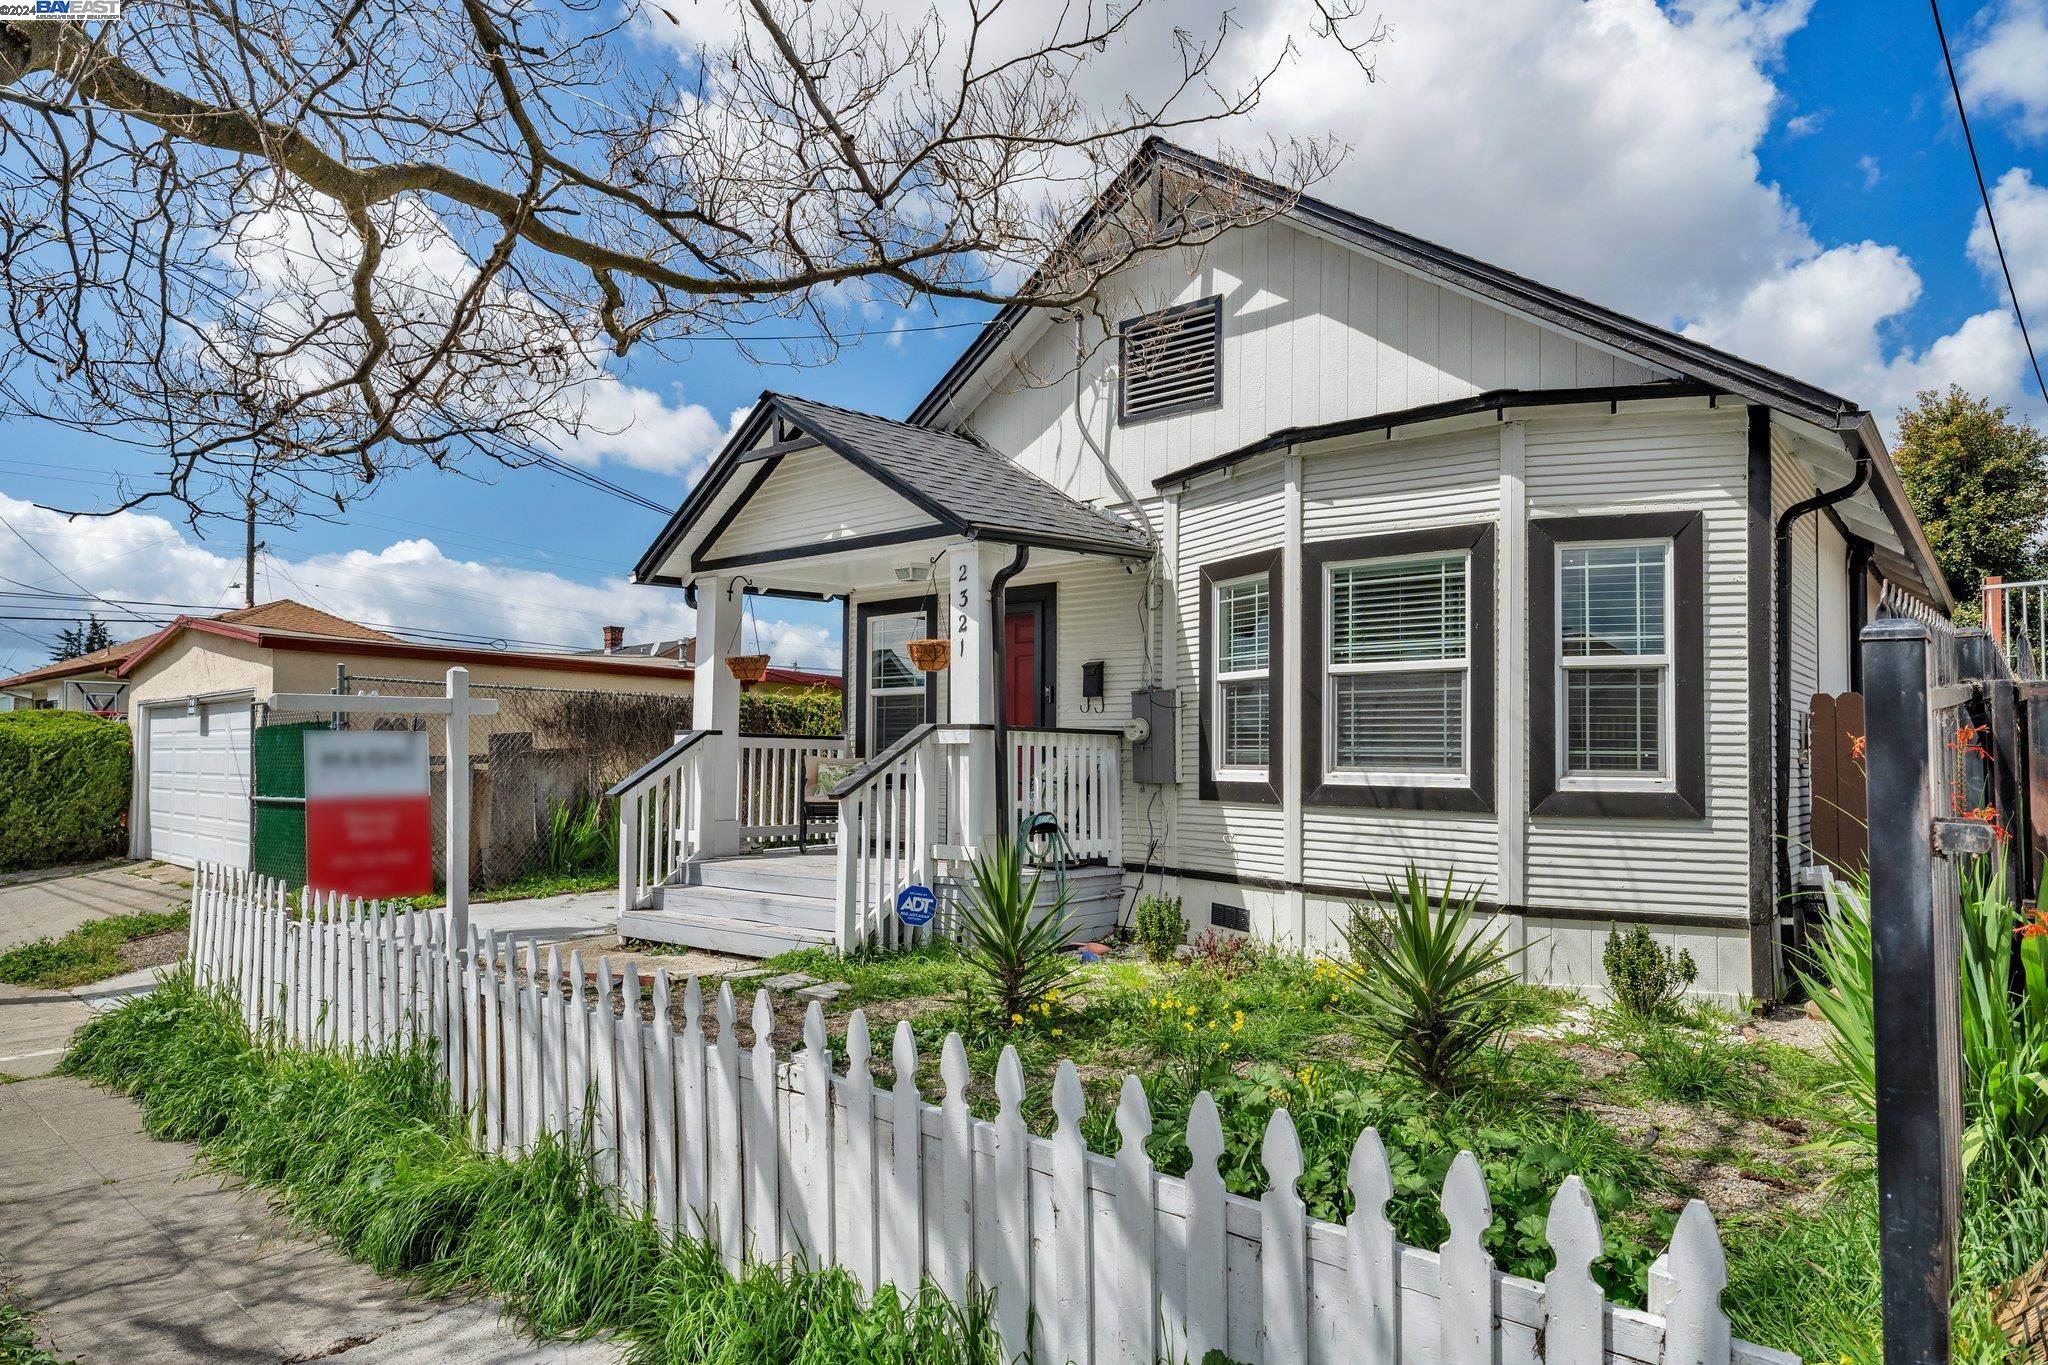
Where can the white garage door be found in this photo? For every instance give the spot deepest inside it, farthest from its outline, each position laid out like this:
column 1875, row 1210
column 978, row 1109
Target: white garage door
column 199, row 783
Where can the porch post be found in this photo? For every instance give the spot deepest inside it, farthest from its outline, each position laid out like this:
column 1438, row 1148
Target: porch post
column 967, row 616
column 716, row 707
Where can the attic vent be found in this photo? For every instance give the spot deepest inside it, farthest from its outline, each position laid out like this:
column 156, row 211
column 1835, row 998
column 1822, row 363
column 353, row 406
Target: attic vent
column 1172, row 361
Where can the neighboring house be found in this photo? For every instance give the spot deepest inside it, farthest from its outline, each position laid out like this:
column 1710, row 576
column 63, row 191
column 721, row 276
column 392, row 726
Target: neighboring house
column 86, row 683
column 778, row 678
column 195, row 688
column 1395, row 558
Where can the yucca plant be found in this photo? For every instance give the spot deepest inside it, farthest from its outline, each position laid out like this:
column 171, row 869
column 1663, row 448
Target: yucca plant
column 1019, row 952
column 1433, row 988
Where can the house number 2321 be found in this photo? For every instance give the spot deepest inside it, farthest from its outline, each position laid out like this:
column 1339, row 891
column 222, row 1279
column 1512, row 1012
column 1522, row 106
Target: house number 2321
column 960, row 600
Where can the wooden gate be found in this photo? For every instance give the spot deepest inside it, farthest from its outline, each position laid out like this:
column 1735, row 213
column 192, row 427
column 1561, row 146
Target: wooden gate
column 1841, row 805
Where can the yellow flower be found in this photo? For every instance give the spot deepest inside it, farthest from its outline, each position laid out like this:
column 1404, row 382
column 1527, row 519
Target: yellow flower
column 1016, row 1018
column 1059, row 1033
column 1226, row 1047
column 1212, row 1023
column 1187, row 1028
column 1053, row 994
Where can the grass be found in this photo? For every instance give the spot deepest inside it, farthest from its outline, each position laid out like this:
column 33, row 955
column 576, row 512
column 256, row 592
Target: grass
column 366, row 1151
column 532, row 886
column 18, row 1345
column 91, row 952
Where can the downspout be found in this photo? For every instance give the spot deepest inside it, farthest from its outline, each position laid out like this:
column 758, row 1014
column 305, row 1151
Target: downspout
column 997, row 591
column 1781, row 568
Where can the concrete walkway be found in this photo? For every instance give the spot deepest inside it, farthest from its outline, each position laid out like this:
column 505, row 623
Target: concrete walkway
column 125, row 1250
column 49, row 906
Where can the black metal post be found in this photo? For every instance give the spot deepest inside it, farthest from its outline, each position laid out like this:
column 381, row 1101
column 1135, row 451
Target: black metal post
column 1913, row 924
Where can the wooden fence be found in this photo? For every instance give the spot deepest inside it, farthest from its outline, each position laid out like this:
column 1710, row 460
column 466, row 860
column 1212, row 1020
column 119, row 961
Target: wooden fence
column 1090, row 1258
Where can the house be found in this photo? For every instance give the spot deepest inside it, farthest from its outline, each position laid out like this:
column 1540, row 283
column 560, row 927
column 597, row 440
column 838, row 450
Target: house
column 85, row 683
column 1334, row 552
column 778, row 679
column 199, row 690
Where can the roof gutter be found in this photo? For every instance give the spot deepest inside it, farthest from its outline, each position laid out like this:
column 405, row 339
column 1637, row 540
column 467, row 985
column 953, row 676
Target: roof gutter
column 1781, row 724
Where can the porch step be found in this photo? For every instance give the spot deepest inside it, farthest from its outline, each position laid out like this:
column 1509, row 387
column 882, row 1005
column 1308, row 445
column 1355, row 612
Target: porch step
column 755, row 905
column 812, row 876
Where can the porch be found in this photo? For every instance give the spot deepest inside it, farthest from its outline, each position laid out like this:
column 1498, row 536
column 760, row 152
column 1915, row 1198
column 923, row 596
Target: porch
column 733, row 842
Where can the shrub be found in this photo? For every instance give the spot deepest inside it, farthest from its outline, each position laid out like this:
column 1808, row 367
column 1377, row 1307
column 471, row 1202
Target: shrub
column 1159, row 926
column 1019, row 955
column 64, row 780
column 1225, row 954
column 818, row 711
column 1435, row 992
column 1644, row 977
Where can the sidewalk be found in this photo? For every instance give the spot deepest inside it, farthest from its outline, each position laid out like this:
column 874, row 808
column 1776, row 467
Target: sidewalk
column 125, row 1250
column 53, row 903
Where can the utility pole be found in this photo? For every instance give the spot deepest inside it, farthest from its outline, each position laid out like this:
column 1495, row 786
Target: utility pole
column 251, row 500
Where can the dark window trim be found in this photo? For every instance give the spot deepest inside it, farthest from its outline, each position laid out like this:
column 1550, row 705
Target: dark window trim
column 1043, row 598
column 1213, row 399
column 1244, row 566
column 1687, row 801
column 863, row 613
column 1482, row 645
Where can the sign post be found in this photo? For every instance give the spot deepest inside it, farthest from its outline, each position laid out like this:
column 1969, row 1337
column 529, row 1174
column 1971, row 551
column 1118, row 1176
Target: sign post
column 457, row 706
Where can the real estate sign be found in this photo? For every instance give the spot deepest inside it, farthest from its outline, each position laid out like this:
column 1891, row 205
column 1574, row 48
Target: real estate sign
column 369, row 829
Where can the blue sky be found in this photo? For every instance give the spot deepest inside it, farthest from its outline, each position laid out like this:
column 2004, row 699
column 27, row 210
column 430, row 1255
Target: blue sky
column 1785, row 179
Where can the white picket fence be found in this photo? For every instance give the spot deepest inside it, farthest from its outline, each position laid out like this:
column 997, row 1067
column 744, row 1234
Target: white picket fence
column 1090, row 1258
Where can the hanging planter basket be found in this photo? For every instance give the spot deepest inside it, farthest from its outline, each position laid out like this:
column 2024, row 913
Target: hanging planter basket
column 748, row 668
column 930, row 656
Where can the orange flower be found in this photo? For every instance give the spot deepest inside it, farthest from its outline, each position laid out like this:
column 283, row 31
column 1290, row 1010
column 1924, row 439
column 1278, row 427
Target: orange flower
column 1857, row 744
column 1988, row 815
column 2036, row 925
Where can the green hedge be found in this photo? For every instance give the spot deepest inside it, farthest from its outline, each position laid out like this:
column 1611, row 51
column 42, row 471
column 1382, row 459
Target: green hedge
column 63, row 788
column 815, row 712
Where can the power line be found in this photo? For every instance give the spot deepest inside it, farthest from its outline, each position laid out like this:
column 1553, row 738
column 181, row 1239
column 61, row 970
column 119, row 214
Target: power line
column 1984, row 193
column 53, row 564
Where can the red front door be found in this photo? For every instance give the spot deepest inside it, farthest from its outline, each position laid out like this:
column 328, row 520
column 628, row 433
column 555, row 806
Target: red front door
column 1020, row 669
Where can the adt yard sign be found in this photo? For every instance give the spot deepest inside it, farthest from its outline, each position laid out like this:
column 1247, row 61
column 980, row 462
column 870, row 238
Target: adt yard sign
column 369, row 828
column 915, row 906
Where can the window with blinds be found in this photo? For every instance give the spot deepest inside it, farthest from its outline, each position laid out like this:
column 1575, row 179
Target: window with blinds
column 1399, row 666
column 1614, row 629
column 1244, row 654
column 1171, row 361
column 896, row 690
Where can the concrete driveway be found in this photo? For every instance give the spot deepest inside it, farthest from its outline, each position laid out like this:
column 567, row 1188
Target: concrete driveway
column 48, row 905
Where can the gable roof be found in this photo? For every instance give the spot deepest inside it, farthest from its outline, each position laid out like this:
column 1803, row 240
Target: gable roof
column 962, row 485
column 281, row 614
column 1691, row 360
column 1658, row 346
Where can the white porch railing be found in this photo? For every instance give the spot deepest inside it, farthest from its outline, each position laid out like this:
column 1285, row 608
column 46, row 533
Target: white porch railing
column 772, row 783
column 658, row 809
column 1076, row 776
column 889, row 820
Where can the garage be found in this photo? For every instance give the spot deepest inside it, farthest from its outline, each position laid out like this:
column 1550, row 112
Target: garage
column 197, row 801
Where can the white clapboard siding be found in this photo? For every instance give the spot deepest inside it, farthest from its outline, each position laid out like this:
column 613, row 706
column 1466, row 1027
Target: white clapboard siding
column 1091, row 1258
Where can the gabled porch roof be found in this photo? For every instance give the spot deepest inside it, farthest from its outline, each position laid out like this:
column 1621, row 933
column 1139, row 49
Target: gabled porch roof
column 910, row 484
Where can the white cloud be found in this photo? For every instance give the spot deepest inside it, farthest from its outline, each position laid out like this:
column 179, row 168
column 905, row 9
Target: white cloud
column 2004, row 66
column 410, row 583
column 1872, row 172
column 2022, row 208
column 1829, row 320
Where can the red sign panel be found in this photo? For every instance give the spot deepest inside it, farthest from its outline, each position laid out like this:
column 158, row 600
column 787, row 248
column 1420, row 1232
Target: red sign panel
column 369, row 819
